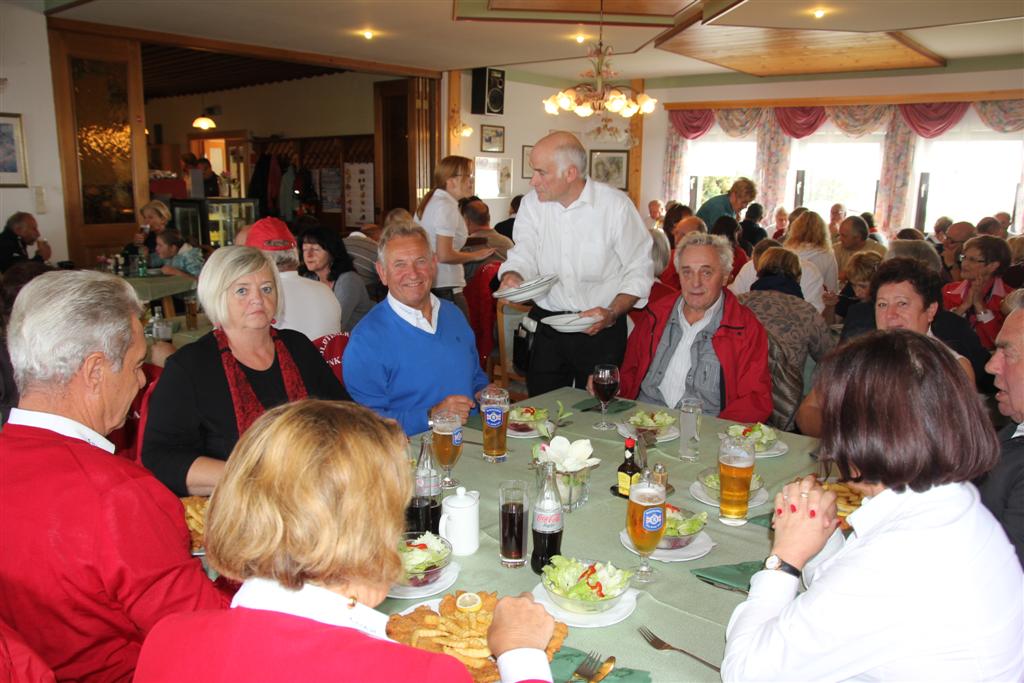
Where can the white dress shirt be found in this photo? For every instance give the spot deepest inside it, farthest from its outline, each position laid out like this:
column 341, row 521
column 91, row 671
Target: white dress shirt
column 327, row 607
column 926, row 588
column 673, row 384
column 61, row 425
column 597, row 246
column 308, row 306
column 414, row 316
column 810, row 282
column 441, row 218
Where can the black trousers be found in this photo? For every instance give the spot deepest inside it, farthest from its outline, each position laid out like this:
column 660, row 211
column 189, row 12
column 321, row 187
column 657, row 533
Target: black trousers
column 560, row 359
column 449, row 294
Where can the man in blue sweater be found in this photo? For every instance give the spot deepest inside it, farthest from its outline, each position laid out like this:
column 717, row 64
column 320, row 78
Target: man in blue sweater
column 412, row 354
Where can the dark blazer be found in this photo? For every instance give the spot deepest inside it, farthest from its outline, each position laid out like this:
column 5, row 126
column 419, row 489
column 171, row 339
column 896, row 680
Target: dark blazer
column 949, row 327
column 1002, row 489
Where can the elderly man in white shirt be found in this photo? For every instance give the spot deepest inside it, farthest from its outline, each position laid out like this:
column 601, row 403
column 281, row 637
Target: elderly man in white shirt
column 591, row 236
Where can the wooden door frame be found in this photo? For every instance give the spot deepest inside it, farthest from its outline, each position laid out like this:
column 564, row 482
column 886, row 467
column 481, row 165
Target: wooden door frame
column 63, row 46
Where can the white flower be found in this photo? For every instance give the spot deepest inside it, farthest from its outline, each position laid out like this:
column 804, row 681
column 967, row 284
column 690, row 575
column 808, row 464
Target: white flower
column 568, row 457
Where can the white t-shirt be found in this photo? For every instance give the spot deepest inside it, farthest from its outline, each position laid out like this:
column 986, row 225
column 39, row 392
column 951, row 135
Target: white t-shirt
column 810, row 282
column 308, row 306
column 441, row 217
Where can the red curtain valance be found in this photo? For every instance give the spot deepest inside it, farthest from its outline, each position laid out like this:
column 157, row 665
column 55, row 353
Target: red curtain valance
column 692, row 123
column 799, row 122
column 932, row 119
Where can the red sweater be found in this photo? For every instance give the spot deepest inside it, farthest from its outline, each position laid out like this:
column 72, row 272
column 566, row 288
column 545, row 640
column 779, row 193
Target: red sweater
column 257, row 645
column 95, row 552
column 740, row 343
column 954, row 294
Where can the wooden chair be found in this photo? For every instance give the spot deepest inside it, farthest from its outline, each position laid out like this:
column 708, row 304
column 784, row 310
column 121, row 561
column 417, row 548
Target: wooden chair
column 502, row 372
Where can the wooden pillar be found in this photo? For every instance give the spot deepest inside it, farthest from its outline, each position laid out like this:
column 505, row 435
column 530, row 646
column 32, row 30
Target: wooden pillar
column 636, row 152
column 454, row 110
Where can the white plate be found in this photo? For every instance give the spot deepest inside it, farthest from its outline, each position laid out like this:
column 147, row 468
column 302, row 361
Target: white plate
column 698, row 547
column 670, row 433
column 443, row 583
column 527, row 290
column 618, row 613
column 532, row 434
column 760, row 498
column 569, row 322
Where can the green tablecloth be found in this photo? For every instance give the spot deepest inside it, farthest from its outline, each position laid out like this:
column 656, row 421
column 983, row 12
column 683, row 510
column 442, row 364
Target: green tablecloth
column 159, row 286
column 678, row 607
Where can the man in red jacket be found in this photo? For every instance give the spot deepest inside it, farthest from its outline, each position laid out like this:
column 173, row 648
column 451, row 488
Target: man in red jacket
column 700, row 342
column 95, row 549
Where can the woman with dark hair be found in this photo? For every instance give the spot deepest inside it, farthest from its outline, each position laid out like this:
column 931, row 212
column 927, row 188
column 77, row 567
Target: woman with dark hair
column 927, row 585
column 325, row 258
column 729, row 228
column 673, row 214
column 978, row 297
column 751, row 230
column 795, row 330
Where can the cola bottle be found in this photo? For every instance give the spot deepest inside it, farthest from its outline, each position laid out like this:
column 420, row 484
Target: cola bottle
column 424, row 511
column 547, row 522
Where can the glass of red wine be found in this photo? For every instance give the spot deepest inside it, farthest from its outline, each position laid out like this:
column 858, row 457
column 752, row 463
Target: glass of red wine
column 606, row 385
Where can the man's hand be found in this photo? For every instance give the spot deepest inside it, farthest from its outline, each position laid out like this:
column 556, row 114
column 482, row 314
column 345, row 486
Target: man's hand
column 605, row 318
column 519, row 622
column 511, row 279
column 43, row 249
column 460, row 405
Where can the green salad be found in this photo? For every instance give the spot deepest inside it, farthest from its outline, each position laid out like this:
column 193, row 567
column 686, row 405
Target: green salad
column 425, row 552
column 764, row 436
column 712, row 481
column 528, row 414
column 678, row 524
column 590, row 582
column 646, row 420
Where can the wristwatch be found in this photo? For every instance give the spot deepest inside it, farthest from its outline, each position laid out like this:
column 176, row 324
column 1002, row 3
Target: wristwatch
column 776, row 562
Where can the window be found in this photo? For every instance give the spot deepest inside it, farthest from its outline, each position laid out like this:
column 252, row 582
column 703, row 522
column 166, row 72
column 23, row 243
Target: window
column 714, row 161
column 838, row 169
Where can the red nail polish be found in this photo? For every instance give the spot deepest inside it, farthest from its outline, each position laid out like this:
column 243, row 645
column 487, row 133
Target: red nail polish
column 813, row 513
column 778, row 511
column 792, row 507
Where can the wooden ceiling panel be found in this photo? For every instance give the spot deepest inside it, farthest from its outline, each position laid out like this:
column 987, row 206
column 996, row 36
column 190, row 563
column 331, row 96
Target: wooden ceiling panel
column 648, row 8
column 172, row 71
column 783, row 52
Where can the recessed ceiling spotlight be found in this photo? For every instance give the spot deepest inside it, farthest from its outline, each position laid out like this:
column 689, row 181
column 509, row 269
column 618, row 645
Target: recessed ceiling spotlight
column 580, row 38
column 368, row 34
column 819, row 13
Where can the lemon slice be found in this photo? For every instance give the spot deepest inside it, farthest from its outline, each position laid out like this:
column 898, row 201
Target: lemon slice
column 469, row 602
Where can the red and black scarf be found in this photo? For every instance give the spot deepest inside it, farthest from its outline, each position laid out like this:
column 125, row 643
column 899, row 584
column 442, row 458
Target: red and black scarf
column 247, row 407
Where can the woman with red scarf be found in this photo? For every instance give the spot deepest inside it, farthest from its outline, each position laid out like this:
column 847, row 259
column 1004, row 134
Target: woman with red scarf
column 212, row 390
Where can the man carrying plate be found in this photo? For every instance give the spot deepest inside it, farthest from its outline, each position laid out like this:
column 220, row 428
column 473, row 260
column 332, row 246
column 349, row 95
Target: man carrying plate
column 590, row 235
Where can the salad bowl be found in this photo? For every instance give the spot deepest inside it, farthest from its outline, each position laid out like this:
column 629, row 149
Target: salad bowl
column 681, row 527
column 709, row 482
column 584, row 586
column 424, row 558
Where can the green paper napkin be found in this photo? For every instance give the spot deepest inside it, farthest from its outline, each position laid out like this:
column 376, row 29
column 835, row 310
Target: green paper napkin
column 567, row 659
column 616, row 406
column 732, row 575
column 764, row 520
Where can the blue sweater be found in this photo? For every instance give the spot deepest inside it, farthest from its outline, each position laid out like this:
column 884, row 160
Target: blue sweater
column 401, row 371
column 714, row 208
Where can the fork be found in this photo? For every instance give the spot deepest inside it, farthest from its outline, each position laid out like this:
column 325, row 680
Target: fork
column 588, row 667
column 659, row 644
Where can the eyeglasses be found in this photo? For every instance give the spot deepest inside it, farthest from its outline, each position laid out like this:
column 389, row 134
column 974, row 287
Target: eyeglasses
column 973, row 259
column 464, row 175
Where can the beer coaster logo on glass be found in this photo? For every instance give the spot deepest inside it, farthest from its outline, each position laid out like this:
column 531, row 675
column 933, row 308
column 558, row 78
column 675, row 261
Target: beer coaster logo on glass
column 654, row 519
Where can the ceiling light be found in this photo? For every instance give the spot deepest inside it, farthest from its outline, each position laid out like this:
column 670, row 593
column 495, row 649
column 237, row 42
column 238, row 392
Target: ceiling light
column 580, row 38
column 598, row 94
column 203, row 122
column 819, row 13
column 368, row 34
column 463, row 130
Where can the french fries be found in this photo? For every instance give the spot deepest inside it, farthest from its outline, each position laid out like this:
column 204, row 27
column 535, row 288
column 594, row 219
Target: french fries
column 195, row 518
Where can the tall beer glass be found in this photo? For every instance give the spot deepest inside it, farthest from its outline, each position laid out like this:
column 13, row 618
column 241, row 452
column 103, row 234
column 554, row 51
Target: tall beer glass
column 645, row 523
column 735, row 469
column 447, row 431
column 494, row 415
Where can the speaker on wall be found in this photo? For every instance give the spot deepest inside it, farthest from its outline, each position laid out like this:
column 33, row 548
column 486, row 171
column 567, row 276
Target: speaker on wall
column 488, row 91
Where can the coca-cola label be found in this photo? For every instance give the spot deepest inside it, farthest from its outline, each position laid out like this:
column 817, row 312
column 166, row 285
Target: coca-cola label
column 547, row 521
column 457, row 437
column 654, row 518
column 493, row 416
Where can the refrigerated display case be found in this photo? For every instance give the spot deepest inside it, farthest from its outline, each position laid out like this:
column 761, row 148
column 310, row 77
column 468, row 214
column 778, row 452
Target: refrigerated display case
column 213, row 221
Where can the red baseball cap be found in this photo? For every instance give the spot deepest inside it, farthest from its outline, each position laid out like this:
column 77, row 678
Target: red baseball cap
column 270, row 234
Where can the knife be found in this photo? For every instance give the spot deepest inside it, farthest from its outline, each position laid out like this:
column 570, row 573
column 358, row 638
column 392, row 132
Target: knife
column 722, row 586
column 605, row 669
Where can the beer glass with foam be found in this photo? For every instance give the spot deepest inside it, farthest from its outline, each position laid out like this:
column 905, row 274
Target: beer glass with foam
column 447, row 435
column 735, row 470
column 494, row 405
column 645, row 523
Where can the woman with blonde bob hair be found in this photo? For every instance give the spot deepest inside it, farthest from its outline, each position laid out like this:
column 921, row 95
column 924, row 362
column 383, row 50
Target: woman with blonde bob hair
column 439, row 214
column 308, row 517
column 212, row 389
column 808, row 237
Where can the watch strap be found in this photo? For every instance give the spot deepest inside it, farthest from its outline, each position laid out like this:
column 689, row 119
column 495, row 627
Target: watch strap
column 781, row 565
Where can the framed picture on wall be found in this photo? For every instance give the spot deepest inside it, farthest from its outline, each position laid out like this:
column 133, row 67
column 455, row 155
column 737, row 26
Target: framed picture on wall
column 13, row 170
column 610, row 166
column 525, row 172
column 492, row 139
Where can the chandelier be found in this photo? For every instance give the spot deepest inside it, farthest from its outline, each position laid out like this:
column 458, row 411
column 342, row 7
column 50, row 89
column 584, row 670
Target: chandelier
column 599, row 94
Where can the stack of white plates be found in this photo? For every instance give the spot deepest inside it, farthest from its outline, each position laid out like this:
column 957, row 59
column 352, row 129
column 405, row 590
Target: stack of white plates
column 531, row 289
column 569, row 322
